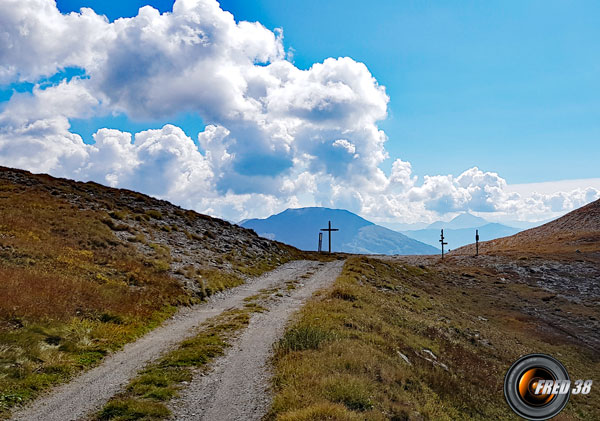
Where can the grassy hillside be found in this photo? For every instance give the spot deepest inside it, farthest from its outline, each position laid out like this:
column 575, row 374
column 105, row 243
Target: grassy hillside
column 396, row 341
column 578, row 231
column 85, row 269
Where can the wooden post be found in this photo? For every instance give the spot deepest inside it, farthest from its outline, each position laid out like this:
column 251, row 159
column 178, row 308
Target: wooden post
column 443, row 243
column 476, row 242
column 320, row 241
column 329, row 230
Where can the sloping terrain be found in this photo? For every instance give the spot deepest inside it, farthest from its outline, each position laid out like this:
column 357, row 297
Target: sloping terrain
column 300, row 228
column 577, row 230
column 458, row 237
column 421, row 338
column 414, row 338
column 85, row 269
column 87, row 393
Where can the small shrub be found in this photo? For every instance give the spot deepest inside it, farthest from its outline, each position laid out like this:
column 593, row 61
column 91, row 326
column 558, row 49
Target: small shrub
column 193, row 236
column 343, row 293
column 141, row 217
column 132, row 409
column 8, row 400
column 302, row 338
column 53, row 340
column 120, row 215
column 161, row 265
column 154, row 213
column 115, row 226
column 354, row 393
column 111, row 318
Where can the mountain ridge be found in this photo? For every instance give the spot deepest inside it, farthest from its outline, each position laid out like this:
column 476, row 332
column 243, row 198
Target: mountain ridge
column 462, row 236
column 463, row 220
column 356, row 235
column 85, row 269
column 578, row 230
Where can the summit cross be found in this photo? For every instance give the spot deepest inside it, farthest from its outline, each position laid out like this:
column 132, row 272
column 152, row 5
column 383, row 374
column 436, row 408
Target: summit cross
column 329, row 230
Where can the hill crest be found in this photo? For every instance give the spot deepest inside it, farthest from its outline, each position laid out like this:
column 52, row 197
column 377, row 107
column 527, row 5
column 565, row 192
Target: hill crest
column 577, row 230
column 187, row 244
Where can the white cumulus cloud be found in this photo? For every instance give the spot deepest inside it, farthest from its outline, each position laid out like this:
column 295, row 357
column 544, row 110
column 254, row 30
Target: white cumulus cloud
column 276, row 136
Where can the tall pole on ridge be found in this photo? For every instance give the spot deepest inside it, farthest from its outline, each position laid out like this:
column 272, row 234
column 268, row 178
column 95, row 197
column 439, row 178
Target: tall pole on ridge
column 320, row 241
column 443, row 243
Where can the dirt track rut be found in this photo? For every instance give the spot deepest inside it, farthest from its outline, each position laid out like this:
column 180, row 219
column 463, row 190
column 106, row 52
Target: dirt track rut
column 89, row 391
column 237, row 388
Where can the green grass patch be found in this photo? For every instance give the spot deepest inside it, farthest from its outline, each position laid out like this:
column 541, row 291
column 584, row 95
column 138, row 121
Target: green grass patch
column 213, row 281
column 342, row 358
column 132, row 409
column 147, row 394
column 82, row 273
column 303, row 337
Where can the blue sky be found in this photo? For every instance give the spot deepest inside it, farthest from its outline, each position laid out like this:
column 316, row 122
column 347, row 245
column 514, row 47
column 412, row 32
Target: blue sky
column 400, row 111
column 509, row 86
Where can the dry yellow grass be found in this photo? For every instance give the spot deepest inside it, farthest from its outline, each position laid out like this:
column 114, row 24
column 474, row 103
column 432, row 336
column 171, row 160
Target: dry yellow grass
column 71, row 292
column 344, row 356
column 85, row 269
column 578, row 230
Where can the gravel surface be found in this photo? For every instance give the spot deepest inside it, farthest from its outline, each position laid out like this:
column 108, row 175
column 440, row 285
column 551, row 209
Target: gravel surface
column 91, row 390
column 237, row 387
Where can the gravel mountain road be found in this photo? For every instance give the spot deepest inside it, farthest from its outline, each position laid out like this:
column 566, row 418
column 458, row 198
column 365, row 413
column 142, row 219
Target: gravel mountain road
column 237, row 387
column 89, row 391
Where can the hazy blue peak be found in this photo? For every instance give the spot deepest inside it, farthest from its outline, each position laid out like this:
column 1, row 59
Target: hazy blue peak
column 457, row 237
column 317, row 210
column 464, row 220
column 300, row 227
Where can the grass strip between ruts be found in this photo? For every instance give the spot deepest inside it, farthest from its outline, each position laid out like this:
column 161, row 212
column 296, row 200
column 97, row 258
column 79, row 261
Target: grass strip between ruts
column 146, row 396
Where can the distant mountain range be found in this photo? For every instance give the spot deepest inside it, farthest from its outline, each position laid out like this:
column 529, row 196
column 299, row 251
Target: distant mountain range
column 464, row 220
column 578, row 231
column 300, row 228
column 460, row 231
column 476, row 222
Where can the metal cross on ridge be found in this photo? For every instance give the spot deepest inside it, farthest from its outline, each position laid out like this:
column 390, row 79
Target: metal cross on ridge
column 443, row 243
column 329, row 230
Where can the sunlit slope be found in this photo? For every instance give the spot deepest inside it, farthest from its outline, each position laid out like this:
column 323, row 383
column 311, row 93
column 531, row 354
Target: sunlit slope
column 85, row 268
column 577, row 230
